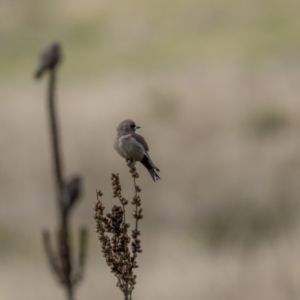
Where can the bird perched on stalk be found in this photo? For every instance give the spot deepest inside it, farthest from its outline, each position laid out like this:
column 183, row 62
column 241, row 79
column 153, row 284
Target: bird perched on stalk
column 49, row 59
column 131, row 145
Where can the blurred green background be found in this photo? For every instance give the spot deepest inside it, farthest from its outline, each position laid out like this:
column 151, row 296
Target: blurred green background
column 214, row 86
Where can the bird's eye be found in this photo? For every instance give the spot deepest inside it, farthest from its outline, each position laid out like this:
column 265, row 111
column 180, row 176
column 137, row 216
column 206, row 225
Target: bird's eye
column 132, row 126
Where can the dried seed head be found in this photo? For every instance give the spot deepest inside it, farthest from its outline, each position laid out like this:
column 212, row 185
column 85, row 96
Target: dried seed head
column 118, row 247
column 132, row 168
column 99, row 194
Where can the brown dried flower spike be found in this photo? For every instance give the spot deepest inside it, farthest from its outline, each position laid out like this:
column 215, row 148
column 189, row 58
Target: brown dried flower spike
column 112, row 231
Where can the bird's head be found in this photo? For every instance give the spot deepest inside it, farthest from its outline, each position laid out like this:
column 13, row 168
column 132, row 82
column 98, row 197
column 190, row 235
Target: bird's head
column 127, row 127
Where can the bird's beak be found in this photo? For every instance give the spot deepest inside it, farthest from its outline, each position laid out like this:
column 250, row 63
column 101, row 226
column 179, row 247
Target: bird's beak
column 136, row 127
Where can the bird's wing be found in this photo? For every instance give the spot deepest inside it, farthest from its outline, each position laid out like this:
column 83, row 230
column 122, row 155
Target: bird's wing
column 141, row 140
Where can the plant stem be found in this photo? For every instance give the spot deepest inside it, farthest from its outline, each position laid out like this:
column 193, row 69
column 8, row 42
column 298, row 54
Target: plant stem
column 55, row 134
column 58, row 174
column 136, row 207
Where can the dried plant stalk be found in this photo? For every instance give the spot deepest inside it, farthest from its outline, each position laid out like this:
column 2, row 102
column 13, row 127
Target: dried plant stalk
column 68, row 192
column 113, row 234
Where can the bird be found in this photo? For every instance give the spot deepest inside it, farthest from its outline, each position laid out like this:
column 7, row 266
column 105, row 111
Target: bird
column 71, row 192
column 49, row 59
column 131, row 145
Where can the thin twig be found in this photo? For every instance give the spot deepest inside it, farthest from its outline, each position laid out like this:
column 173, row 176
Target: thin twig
column 54, row 134
column 63, row 231
column 136, row 207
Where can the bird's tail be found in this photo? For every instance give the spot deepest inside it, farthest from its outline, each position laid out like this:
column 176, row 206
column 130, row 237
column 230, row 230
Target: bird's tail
column 150, row 167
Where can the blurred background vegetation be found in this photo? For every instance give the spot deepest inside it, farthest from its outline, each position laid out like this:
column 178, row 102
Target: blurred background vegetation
column 214, row 86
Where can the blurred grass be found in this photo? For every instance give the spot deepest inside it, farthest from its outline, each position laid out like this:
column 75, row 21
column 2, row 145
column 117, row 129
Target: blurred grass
column 163, row 104
column 266, row 122
column 144, row 36
column 245, row 224
column 15, row 242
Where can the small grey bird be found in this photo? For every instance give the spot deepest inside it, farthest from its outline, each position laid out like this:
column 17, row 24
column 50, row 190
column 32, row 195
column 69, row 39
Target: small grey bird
column 131, row 145
column 50, row 58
